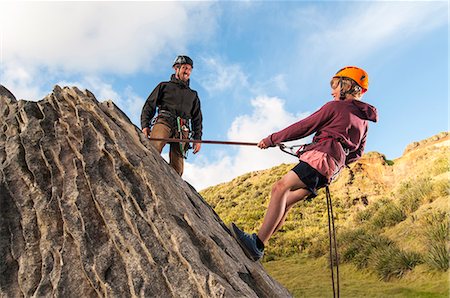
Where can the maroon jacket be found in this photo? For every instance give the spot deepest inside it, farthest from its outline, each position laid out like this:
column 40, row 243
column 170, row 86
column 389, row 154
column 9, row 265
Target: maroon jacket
column 340, row 127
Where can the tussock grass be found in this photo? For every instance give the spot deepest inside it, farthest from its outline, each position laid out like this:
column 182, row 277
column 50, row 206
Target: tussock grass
column 391, row 262
column 358, row 246
column 413, row 193
column 437, row 239
column 388, row 215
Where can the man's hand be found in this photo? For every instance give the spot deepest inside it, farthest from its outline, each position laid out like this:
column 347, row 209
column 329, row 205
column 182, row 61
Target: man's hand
column 197, row 147
column 262, row 145
column 146, row 131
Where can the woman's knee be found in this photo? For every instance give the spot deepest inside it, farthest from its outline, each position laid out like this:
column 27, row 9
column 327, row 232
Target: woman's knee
column 279, row 187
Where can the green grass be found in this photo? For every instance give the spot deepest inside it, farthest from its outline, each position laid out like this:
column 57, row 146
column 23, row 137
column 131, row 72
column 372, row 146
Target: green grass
column 305, row 277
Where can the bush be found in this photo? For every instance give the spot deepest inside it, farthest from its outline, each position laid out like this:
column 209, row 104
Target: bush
column 440, row 189
column 392, row 262
column 358, row 245
column 413, row 193
column 436, row 238
column 388, row 215
column 437, row 256
column 363, row 215
column 441, row 165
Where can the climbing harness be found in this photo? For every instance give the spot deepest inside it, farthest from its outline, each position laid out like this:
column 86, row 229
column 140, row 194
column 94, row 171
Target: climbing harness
column 333, row 247
column 183, row 132
column 180, row 128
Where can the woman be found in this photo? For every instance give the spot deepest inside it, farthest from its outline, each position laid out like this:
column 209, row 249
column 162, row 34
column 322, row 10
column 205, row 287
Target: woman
column 340, row 128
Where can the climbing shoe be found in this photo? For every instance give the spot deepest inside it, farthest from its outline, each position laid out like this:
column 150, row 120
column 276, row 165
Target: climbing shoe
column 248, row 243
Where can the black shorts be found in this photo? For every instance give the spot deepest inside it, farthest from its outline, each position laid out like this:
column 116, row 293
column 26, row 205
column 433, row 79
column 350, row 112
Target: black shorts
column 311, row 177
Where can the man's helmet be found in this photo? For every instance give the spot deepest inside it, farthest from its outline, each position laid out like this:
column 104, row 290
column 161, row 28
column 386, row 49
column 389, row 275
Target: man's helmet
column 183, row 60
column 357, row 74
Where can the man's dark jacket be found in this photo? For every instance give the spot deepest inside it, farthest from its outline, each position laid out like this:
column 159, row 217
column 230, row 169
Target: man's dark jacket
column 176, row 97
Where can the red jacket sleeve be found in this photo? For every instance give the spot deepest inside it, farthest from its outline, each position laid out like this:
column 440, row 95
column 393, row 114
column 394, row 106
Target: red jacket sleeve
column 302, row 128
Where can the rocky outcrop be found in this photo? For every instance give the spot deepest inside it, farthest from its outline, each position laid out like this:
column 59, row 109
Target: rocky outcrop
column 89, row 208
column 438, row 138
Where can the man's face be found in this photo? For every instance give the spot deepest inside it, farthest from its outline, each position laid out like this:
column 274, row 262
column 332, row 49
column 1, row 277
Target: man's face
column 183, row 72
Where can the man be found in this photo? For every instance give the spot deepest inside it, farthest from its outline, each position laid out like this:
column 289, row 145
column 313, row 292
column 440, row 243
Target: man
column 340, row 128
column 179, row 113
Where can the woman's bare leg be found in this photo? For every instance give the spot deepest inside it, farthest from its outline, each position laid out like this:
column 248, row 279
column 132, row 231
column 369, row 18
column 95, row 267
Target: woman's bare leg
column 292, row 198
column 283, row 195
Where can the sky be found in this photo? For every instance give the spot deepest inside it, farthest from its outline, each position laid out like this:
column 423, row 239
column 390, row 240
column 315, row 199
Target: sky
column 259, row 66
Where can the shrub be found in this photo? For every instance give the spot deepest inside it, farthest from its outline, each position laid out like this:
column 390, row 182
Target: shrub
column 436, row 238
column 358, row 245
column 363, row 215
column 440, row 189
column 437, row 256
column 388, row 215
column 441, row 165
column 413, row 193
column 392, row 262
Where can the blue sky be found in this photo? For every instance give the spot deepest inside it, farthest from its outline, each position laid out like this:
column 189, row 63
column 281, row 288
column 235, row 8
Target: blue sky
column 258, row 66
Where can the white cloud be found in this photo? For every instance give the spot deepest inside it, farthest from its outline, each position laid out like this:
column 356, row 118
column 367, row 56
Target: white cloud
column 120, row 37
column 220, row 75
column 268, row 116
column 367, row 27
column 16, row 77
column 46, row 42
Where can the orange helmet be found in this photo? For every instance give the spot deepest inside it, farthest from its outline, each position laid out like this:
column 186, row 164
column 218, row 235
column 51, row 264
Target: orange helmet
column 357, row 74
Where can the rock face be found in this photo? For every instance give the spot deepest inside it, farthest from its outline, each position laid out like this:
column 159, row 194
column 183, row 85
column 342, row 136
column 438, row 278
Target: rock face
column 89, row 208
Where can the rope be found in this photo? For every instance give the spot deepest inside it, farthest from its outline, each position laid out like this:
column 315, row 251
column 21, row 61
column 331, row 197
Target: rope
column 174, row 140
column 284, row 148
column 332, row 235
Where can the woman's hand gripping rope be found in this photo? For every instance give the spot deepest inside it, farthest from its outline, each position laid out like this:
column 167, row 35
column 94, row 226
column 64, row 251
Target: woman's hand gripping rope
column 262, row 145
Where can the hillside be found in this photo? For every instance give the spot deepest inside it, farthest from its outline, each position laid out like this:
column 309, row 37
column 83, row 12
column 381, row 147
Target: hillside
column 399, row 206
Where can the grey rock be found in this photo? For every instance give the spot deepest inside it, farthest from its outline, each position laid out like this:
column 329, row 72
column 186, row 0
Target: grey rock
column 88, row 208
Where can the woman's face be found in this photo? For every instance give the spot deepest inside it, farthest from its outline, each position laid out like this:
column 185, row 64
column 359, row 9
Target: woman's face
column 338, row 85
column 336, row 88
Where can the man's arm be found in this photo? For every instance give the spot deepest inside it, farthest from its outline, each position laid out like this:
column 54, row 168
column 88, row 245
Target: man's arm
column 197, row 119
column 197, row 123
column 149, row 109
